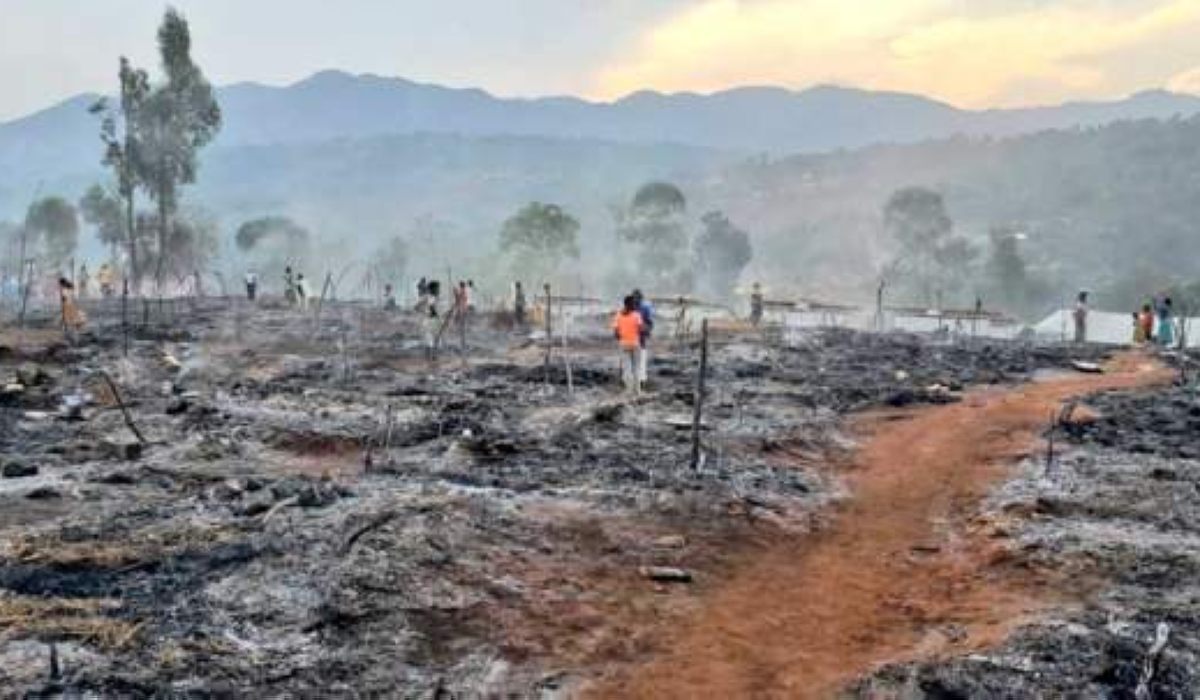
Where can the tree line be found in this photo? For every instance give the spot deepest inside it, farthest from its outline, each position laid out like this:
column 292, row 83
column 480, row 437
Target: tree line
column 151, row 136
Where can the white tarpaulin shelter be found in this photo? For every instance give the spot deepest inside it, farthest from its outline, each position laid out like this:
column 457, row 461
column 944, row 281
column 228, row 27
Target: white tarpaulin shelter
column 1103, row 327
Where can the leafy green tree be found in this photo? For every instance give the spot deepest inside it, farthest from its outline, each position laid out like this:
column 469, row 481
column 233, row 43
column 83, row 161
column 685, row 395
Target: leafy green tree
column 102, row 211
column 931, row 259
column 53, row 224
column 119, row 131
column 722, row 251
column 1005, row 268
column 657, row 200
column 190, row 246
column 655, row 224
column 955, row 258
column 539, row 239
column 180, row 117
column 10, row 249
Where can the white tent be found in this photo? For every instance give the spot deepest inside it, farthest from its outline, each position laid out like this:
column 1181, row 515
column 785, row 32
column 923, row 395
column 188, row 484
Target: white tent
column 1103, row 327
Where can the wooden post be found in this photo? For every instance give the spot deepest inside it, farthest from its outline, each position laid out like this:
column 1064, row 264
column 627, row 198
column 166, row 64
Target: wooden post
column 549, row 332
column 62, row 313
column 125, row 316
column 549, row 315
column 320, row 303
column 112, row 386
column 462, row 331
column 567, row 360
column 879, row 305
column 27, row 276
column 698, row 399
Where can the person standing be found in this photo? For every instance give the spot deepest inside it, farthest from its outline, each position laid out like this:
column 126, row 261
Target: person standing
column 251, row 285
column 301, row 292
column 433, row 291
column 1146, row 321
column 389, row 297
column 422, row 294
column 84, row 281
column 627, row 328
column 429, row 330
column 289, row 286
column 1080, row 315
column 756, row 304
column 1166, row 323
column 646, row 312
column 106, row 278
column 73, row 319
column 519, row 304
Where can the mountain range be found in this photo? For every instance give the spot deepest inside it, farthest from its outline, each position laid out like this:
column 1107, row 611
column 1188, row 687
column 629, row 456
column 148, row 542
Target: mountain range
column 334, row 105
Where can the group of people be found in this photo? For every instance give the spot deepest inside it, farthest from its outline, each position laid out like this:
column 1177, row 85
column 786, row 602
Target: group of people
column 428, row 293
column 106, row 279
column 295, row 289
column 633, row 327
column 1155, row 323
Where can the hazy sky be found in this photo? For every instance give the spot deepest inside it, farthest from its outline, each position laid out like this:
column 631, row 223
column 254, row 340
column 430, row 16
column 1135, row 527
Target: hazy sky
column 973, row 53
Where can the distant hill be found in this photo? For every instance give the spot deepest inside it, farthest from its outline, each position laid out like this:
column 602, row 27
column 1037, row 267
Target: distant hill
column 1115, row 208
column 62, row 141
column 1102, row 188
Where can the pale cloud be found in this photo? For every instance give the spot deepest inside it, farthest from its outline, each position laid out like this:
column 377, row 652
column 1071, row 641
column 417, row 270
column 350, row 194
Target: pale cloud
column 972, row 54
column 1187, row 81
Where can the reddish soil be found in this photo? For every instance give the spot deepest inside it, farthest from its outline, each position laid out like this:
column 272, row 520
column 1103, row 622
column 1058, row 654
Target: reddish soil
column 905, row 570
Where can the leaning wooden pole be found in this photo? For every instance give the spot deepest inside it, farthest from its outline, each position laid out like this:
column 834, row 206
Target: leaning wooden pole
column 698, row 399
column 112, row 387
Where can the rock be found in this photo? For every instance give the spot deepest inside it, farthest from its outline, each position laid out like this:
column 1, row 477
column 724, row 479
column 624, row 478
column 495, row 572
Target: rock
column 43, row 493
column 32, row 375
column 257, row 506
column 607, row 413
column 17, row 470
column 118, row 478
column 127, row 451
column 316, row 497
column 904, row 397
column 670, row 542
column 666, row 574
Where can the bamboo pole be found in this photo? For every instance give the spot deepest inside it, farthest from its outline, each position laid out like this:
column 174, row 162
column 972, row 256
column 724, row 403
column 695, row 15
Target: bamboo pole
column 698, row 399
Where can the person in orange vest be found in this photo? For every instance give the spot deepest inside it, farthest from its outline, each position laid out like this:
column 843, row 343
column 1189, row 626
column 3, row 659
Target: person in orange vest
column 627, row 328
column 1147, row 324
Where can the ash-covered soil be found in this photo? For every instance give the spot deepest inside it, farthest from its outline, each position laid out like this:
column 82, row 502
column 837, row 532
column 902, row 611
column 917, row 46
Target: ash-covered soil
column 1118, row 517
column 318, row 511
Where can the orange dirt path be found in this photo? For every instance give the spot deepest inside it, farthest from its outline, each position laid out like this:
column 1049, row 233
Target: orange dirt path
column 904, row 570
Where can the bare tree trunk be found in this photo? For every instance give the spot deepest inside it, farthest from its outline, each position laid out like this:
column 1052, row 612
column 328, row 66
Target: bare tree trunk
column 131, row 240
column 164, row 235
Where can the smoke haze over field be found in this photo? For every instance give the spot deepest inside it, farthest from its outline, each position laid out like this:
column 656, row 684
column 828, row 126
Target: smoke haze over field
column 778, row 186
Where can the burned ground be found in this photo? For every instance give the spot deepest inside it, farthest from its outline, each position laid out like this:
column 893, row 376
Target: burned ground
column 1118, row 516
column 319, row 510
